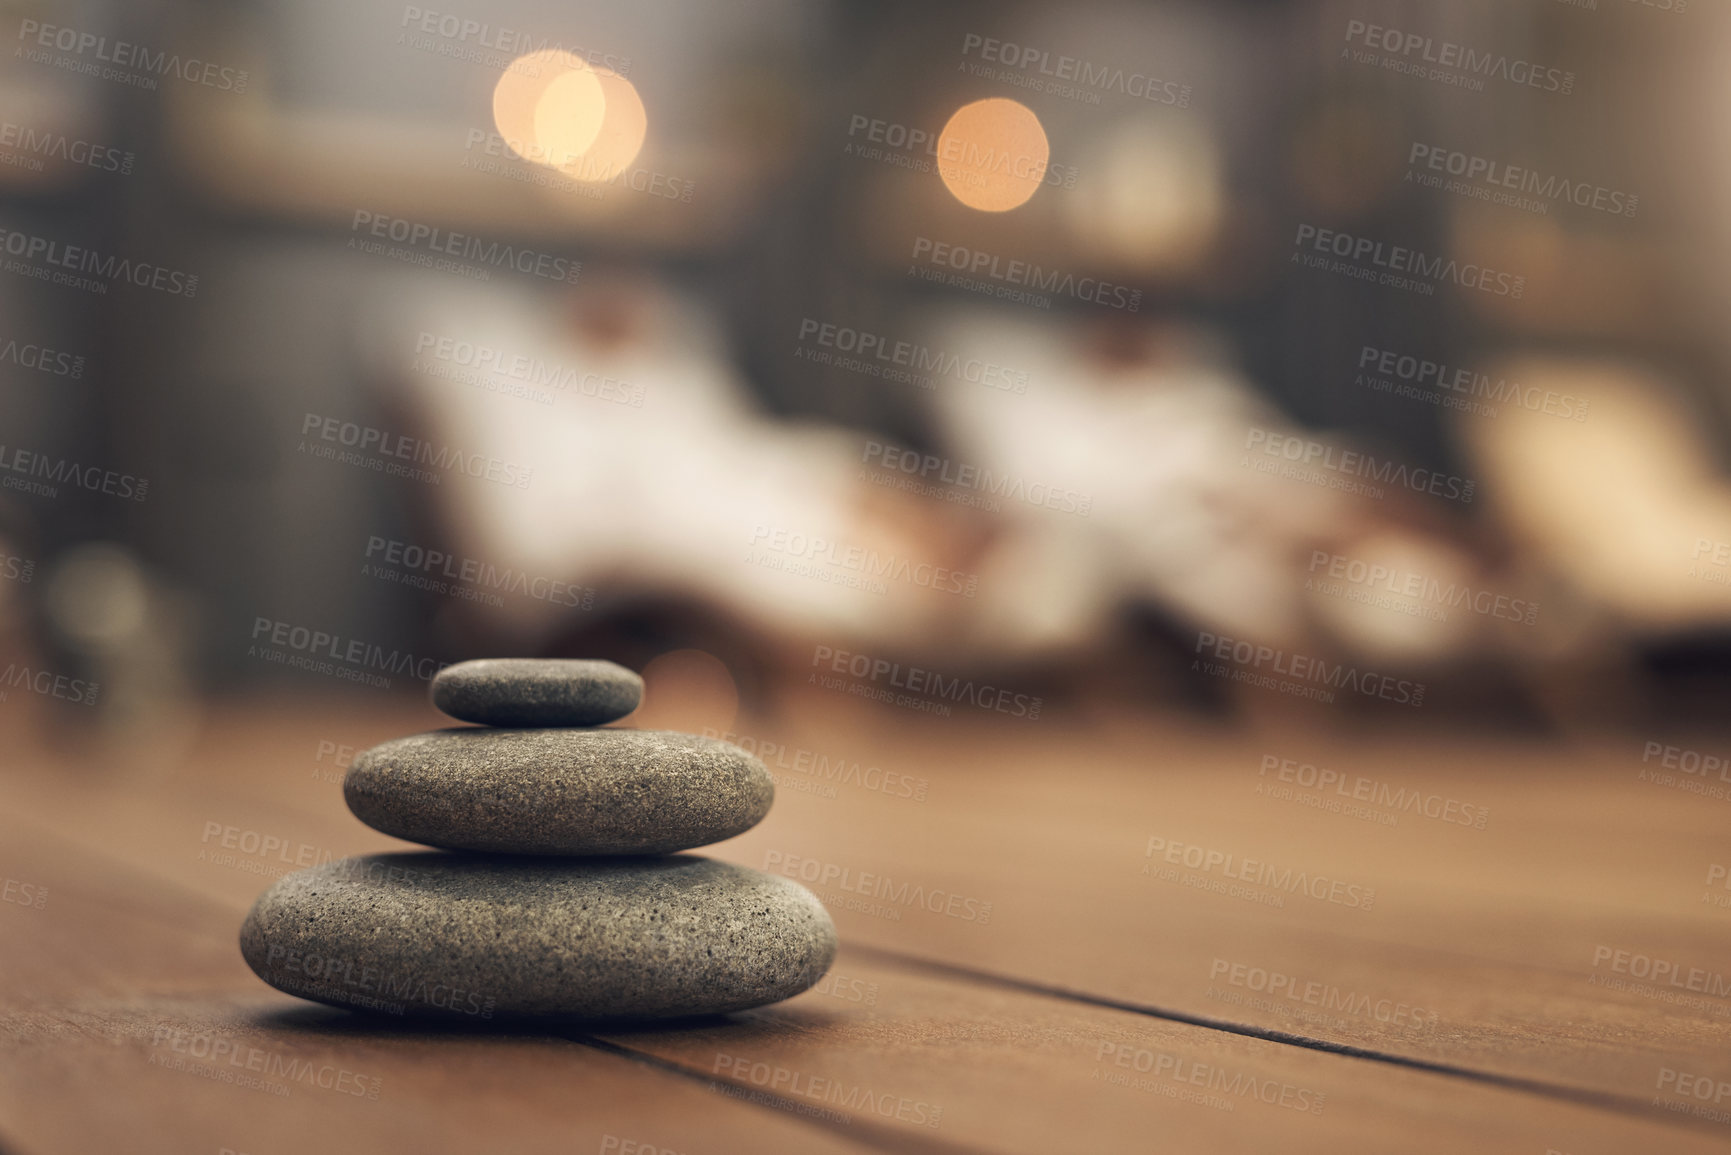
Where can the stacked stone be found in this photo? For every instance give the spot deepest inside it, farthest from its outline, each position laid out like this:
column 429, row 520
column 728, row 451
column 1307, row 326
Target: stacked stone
column 556, row 892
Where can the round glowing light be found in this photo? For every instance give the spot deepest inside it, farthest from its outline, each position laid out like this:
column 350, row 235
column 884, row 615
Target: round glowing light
column 621, row 134
column 993, row 154
column 549, row 106
column 569, row 116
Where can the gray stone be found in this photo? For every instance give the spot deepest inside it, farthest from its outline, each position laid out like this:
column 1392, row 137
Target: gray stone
column 559, row 791
column 475, row 938
column 537, row 692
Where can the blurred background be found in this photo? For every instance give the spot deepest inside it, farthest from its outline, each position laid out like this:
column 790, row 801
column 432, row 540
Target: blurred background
column 1100, row 353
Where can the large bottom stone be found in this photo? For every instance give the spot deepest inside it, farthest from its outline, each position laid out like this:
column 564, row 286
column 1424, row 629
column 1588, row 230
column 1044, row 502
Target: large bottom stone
column 478, row 937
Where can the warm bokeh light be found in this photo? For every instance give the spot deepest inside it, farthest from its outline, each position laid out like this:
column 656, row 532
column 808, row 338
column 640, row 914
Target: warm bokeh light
column 992, row 155
column 556, row 110
column 569, row 116
column 621, row 134
column 549, row 106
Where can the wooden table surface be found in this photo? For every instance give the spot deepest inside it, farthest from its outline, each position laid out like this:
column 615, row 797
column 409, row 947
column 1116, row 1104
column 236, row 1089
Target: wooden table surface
column 1028, row 964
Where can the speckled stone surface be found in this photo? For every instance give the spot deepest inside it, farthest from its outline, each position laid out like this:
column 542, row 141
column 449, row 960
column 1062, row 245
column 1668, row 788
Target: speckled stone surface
column 475, row 938
column 559, row 791
column 537, row 692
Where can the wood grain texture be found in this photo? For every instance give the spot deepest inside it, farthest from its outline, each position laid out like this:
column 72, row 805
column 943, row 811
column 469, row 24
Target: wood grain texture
column 1488, row 938
column 1005, row 1031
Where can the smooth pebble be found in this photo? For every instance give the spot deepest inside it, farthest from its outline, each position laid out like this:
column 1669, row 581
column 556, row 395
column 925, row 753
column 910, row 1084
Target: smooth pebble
column 477, row 938
column 579, row 792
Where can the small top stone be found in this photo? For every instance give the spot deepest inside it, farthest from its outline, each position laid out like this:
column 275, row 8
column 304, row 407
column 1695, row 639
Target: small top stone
column 537, row 692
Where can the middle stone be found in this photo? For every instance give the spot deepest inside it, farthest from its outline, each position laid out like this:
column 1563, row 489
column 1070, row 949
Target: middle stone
column 576, row 792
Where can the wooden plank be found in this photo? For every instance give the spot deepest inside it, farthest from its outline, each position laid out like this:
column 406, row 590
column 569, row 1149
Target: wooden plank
column 1013, row 1071
column 1492, row 931
column 127, row 978
column 1487, row 938
column 128, row 1022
